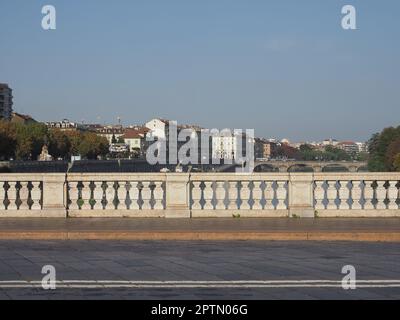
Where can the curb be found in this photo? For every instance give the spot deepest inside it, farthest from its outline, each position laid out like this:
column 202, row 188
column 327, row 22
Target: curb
column 201, row 236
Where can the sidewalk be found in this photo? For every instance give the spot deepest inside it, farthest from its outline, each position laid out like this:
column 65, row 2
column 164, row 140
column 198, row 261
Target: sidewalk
column 323, row 229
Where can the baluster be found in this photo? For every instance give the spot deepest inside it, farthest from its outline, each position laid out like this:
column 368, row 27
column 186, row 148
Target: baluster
column 121, row 194
column 220, row 195
column 245, row 195
column 110, row 195
column 73, row 193
column 146, row 195
column 331, row 195
column 393, row 195
column 281, row 194
column 368, row 195
column 98, row 195
column 158, row 193
column 36, row 195
column 269, row 195
column 319, row 195
column 24, row 196
column 381, row 193
column 233, row 195
column 12, row 195
column 344, row 195
column 86, row 195
column 2, row 195
column 196, row 195
column 257, row 195
column 356, row 193
column 134, row 196
column 208, row 195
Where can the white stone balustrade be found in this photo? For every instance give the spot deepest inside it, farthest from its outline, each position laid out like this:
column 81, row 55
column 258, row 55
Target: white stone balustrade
column 367, row 194
column 230, row 194
column 32, row 195
column 115, row 194
column 200, row 195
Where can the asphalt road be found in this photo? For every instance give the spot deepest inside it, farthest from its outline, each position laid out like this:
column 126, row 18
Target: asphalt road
column 198, row 270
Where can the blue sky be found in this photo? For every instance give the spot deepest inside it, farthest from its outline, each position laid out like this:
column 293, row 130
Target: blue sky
column 283, row 67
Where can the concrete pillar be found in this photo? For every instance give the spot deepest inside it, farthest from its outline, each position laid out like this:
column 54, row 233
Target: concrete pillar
column 301, row 195
column 177, row 195
column 54, row 195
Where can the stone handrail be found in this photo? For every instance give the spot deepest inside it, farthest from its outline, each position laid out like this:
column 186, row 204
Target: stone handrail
column 200, row 195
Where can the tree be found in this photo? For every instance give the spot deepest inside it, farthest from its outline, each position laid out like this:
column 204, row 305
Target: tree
column 392, row 151
column 75, row 139
column 93, row 146
column 379, row 147
column 60, row 145
column 30, row 140
column 306, row 148
column 25, row 142
column 336, row 154
column 7, row 140
column 286, row 151
column 396, row 162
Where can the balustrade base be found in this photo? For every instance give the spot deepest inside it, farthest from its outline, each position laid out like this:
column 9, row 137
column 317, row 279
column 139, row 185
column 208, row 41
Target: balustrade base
column 24, row 213
column 177, row 213
column 120, row 213
column 302, row 212
column 358, row 213
column 220, row 213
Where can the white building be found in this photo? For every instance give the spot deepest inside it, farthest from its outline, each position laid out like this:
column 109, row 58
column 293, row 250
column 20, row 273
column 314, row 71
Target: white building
column 330, row 142
column 158, row 127
column 134, row 138
column 110, row 132
column 362, row 147
column 64, row 125
column 225, row 145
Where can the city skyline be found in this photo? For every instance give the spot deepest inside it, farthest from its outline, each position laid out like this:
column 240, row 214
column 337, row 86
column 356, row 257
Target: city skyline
column 287, row 71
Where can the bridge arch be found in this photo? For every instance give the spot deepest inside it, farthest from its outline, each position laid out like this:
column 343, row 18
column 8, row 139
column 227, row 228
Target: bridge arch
column 362, row 169
column 310, row 166
column 264, row 167
column 300, row 167
column 335, row 167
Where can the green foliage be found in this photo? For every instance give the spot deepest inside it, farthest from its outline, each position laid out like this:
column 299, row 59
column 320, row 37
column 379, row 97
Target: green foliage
column 396, row 162
column 308, row 153
column 383, row 148
column 286, row 151
column 22, row 141
column 30, row 139
column 113, row 139
column 92, row 146
column 60, row 144
column 8, row 140
column 392, row 151
column 25, row 142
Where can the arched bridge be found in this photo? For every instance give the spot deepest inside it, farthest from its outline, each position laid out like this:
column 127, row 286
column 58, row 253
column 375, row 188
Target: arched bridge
column 316, row 166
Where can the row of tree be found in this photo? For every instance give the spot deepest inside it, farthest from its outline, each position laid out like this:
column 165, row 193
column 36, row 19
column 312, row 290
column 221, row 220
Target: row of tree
column 307, row 152
column 384, row 150
column 25, row 142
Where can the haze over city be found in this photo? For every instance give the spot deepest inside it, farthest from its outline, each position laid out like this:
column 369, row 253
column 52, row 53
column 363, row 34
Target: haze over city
column 286, row 70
